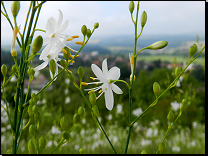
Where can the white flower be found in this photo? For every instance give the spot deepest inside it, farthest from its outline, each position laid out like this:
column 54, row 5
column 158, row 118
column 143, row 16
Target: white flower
column 105, row 76
column 175, row 105
column 119, row 108
column 137, row 111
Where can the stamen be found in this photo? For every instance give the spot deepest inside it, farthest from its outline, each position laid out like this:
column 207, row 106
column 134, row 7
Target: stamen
column 96, row 83
column 69, row 70
column 53, row 35
column 71, row 61
column 84, row 83
column 75, row 36
column 64, row 51
column 90, row 91
column 79, row 43
column 70, row 39
column 71, row 56
column 92, row 78
column 100, row 91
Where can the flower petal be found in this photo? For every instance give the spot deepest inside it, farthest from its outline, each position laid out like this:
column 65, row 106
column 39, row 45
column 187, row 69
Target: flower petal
column 109, row 100
column 114, row 73
column 116, row 89
column 51, row 26
column 105, row 67
column 46, row 51
column 97, row 71
column 41, row 66
column 60, row 19
column 63, row 27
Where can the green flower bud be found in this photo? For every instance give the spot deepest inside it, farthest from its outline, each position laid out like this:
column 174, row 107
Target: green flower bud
column 96, row 25
column 184, row 102
column 178, row 70
column 30, row 112
column 76, row 118
column 144, row 152
column 95, row 110
column 131, row 6
column 8, row 152
column 92, row 98
column 193, row 49
column 84, row 30
column 52, row 66
column 156, row 88
column 71, row 77
column 15, row 6
column 81, row 151
column 158, row 45
column 31, row 147
column 170, row 116
column 89, row 33
column 37, row 44
column 66, row 53
column 42, row 141
column 63, row 63
column 35, row 109
column 32, row 129
column 143, row 18
column 31, row 71
column 37, row 116
column 15, row 95
column 161, row 147
column 80, row 71
column 32, row 102
column 4, row 70
column 64, row 123
column 66, row 135
column 32, row 95
column 14, row 69
column 81, row 111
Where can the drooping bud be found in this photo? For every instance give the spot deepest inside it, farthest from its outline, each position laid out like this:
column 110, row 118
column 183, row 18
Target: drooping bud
column 170, row 116
column 156, row 88
column 143, row 18
column 64, row 123
column 37, row 44
column 52, row 66
column 66, row 135
column 96, row 25
column 31, row 146
column 131, row 6
column 95, row 110
column 158, row 45
column 178, row 70
column 80, row 71
column 15, row 6
column 193, row 49
column 42, row 141
column 143, row 151
column 161, row 147
column 92, row 98
column 4, row 70
column 89, row 33
column 76, row 118
column 81, row 111
column 32, row 129
column 84, row 30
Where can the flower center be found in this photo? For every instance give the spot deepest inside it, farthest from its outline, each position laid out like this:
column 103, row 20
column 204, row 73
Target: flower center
column 53, row 35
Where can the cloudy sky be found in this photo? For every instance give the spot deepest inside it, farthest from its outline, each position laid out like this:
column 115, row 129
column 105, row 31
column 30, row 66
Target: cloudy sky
column 164, row 17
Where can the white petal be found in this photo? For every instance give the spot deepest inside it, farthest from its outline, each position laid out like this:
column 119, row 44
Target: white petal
column 41, row 66
column 105, row 67
column 63, row 27
column 46, row 41
column 114, row 73
column 60, row 19
column 51, row 26
column 109, row 99
column 97, row 71
column 116, row 89
column 46, row 51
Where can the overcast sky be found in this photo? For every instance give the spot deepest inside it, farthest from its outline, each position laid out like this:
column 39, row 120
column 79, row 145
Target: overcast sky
column 164, row 17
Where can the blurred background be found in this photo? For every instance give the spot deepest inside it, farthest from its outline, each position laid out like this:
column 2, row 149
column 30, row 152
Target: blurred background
column 114, row 39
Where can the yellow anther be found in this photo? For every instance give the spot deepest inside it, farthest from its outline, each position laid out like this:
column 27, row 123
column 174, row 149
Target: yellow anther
column 71, row 61
column 53, row 35
column 64, row 51
column 77, row 56
column 75, row 36
column 80, row 43
column 90, row 91
column 100, row 91
column 84, row 83
column 71, row 49
column 131, row 58
column 69, row 70
column 92, row 78
column 96, row 83
column 71, row 56
column 69, row 39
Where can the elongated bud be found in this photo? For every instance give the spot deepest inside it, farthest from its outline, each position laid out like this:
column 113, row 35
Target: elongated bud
column 158, row 45
column 30, row 112
column 66, row 53
column 35, row 109
column 71, row 77
column 178, row 70
column 76, row 118
column 15, row 6
column 131, row 6
column 161, row 147
column 66, row 135
column 143, row 151
column 63, row 63
column 170, row 116
column 193, row 49
column 4, row 69
column 156, row 88
column 92, row 98
column 81, row 111
column 32, row 129
column 95, row 110
column 37, row 44
column 31, row 146
column 80, row 71
column 96, row 25
column 84, row 30
column 89, row 33
column 64, row 123
column 52, row 66
column 143, row 18
column 81, row 151
column 184, row 102
column 14, row 69
column 42, row 141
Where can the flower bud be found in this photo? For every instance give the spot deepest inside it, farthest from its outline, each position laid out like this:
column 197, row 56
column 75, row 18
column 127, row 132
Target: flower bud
column 143, row 18
column 184, row 102
column 96, row 25
column 158, row 45
column 170, row 116
column 95, row 110
column 71, row 77
column 178, row 70
column 66, row 53
column 66, row 135
column 30, row 112
column 81, row 151
column 64, row 123
column 84, row 30
column 92, row 98
column 15, row 6
column 156, row 88
column 193, row 49
column 81, row 111
column 37, row 44
column 8, row 152
column 31, row 71
column 131, row 6
column 35, row 109
column 89, row 33
column 161, row 147
column 4, row 70
column 63, row 63
column 42, row 141
column 14, row 69
column 144, row 152
column 31, row 146
column 52, row 66
column 76, row 118
column 32, row 129
column 80, row 71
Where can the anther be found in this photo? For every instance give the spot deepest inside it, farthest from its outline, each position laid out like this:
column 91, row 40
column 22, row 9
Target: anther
column 90, row 91
column 79, row 43
column 75, row 36
column 84, row 83
column 92, row 78
column 69, row 39
column 100, row 91
column 64, row 51
column 71, row 61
